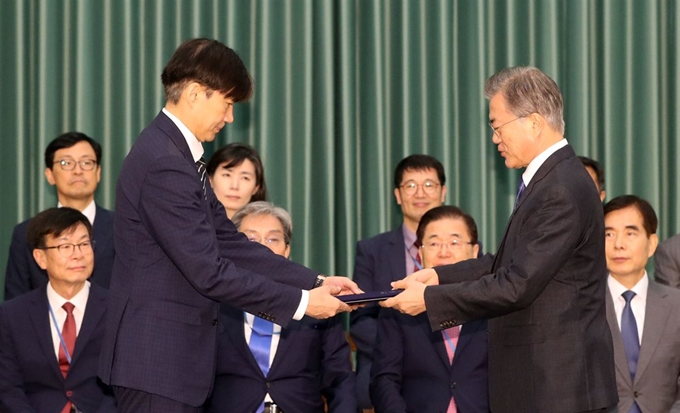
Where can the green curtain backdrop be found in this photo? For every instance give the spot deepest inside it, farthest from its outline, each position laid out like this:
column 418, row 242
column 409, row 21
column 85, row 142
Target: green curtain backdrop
column 344, row 90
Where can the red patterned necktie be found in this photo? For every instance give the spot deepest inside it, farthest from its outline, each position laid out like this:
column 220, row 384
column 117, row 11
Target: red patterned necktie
column 417, row 267
column 68, row 333
column 451, row 342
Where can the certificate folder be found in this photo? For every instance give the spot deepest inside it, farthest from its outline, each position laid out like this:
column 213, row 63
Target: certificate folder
column 368, row 297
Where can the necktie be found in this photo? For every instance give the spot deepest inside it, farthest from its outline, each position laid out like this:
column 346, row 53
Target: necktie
column 200, row 167
column 520, row 190
column 418, row 265
column 451, row 341
column 68, row 333
column 631, row 342
column 260, row 346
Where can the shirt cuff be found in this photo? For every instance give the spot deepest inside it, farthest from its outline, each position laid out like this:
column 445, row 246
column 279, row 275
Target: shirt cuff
column 304, row 302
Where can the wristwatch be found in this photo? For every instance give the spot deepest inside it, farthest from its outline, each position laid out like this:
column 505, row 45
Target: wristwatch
column 319, row 281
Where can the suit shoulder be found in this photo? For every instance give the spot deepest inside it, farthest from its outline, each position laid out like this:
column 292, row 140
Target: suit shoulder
column 671, row 293
column 381, row 239
column 671, row 243
column 20, row 228
column 22, row 302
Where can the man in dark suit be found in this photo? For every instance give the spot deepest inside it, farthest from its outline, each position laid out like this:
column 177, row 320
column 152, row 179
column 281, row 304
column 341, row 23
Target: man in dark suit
column 643, row 315
column 416, row 370
column 177, row 253
column 73, row 167
column 419, row 185
column 596, row 172
column 543, row 292
column 301, row 363
column 50, row 338
column 667, row 262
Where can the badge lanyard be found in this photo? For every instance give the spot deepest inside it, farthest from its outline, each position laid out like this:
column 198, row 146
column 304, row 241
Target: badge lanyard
column 61, row 338
column 415, row 261
column 449, row 342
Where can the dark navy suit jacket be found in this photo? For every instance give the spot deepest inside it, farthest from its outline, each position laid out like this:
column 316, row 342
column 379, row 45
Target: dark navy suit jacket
column 177, row 257
column 379, row 261
column 23, row 273
column 411, row 370
column 30, row 379
column 312, row 359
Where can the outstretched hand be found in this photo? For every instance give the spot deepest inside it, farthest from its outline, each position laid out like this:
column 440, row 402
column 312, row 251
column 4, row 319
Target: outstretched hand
column 323, row 304
column 411, row 301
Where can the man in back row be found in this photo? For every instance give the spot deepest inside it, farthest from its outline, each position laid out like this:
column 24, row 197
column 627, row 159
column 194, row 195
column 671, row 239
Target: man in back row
column 419, row 185
column 73, row 167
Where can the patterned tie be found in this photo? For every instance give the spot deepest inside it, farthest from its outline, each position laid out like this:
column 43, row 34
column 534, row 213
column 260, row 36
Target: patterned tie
column 631, row 342
column 200, row 167
column 451, row 341
column 418, row 265
column 68, row 333
column 520, row 191
column 260, row 346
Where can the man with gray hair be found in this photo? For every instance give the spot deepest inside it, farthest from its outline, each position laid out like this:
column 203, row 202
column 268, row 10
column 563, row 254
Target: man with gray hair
column 550, row 349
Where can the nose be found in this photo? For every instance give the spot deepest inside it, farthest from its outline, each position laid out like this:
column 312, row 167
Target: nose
column 495, row 138
column 229, row 115
column 420, row 191
column 619, row 243
column 444, row 250
column 233, row 183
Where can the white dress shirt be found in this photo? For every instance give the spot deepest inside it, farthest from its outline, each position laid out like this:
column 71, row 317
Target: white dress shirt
column 56, row 301
column 249, row 319
column 637, row 304
column 536, row 163
column 196, row 149
column 90, row 211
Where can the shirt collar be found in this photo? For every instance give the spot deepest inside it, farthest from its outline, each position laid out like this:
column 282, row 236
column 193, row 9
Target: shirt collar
column 194, row 144
column 90, row 211
column 536, row 163
column 79, row 300
column 409, row 236
column 640, row 289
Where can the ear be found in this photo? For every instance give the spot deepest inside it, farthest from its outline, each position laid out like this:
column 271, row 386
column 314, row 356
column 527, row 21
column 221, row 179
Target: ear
column 257, row 187
column 49, row 175
column 538, row 122
column 475, row 251
column 99, row 173
column 397, row 196
column 653, row 243
column 443, row 194
column 286, row 253
column 40, row 258
column 603, row 195
column 191, row 92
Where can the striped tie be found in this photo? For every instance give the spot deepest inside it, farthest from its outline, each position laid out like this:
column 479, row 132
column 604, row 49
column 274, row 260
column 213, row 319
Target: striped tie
column 200, row 167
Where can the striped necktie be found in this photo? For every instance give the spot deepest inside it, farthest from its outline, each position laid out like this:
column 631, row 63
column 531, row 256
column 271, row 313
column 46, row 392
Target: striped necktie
column 200, row 167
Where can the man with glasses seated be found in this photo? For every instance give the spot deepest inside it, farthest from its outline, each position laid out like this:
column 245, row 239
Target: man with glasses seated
column 419, row 185
column 417, row 370
column 264, row 368
column 73, row 166
column 50, row 338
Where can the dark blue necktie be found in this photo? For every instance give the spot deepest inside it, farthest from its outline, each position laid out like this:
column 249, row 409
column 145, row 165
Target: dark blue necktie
column 631, row 342
column 200, row 167
column 520, row 191
column 260, row 345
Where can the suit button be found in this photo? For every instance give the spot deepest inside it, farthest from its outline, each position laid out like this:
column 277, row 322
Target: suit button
column 453, row 385
column 635, row 394
column 266, row 384
column 214, row 322
column 69, row 393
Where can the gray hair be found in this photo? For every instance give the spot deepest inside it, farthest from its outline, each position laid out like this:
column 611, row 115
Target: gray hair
column 527, row 90
column 266, row 208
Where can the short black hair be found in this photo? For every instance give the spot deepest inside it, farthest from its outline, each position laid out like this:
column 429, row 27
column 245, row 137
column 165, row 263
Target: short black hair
column 649, row 219
column 599, row 170
column 209, row 63
column 67, row 140
column 233, row 155
column 443, row 212
column 418, row 162
column 54, row 221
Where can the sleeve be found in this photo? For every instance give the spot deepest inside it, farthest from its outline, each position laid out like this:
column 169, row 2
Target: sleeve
column 12, row 396
column 667, row 264
column 386, row 371
column 545, row 241
column 18, row 266
column 338, row 380
column 204, row 251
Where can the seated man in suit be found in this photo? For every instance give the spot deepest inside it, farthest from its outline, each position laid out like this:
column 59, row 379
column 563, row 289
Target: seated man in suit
column 419, row 185
column 642, row 315
column 50, row 338
column 417, row 370
column 262, row 367
column 73, row 167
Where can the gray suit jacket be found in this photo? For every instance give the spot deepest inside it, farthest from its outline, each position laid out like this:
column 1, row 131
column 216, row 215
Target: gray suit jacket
column 657, row 379
column 667, row 262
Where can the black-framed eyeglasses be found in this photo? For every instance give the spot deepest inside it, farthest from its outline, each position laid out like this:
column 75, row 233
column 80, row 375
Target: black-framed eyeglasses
column 452, row 244
column 497, row 128
column 67, row 250
column 69, row 165
column 429, row 187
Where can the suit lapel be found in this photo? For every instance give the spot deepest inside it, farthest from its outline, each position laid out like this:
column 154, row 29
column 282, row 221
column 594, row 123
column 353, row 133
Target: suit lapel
column 620, row 359
column 94, row 312
column 657, row 311
column 437, row 340
column 397, row 248
column 234, row 327
column 41, row 323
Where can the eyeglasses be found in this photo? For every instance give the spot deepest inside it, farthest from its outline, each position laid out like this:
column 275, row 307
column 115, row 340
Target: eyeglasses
column 453, row 244
column 270, row 241
column 69, row 165
column 67, row 250
column 497, row 128
column 410, row 187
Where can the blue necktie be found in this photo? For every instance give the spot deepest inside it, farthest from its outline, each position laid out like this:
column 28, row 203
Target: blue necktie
column 260, row 345
column 631, row 343
column 520, row 190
